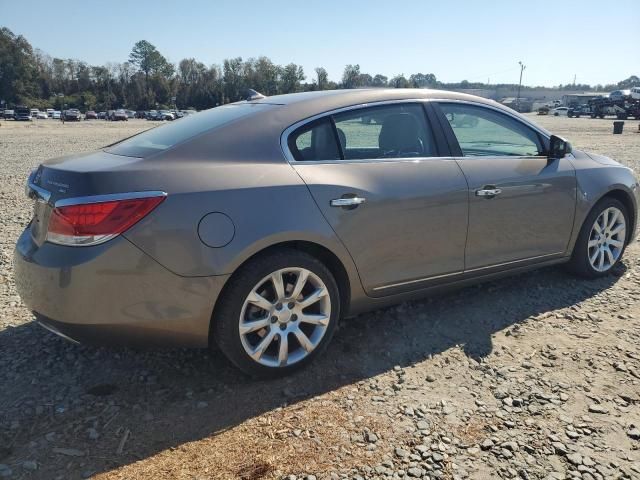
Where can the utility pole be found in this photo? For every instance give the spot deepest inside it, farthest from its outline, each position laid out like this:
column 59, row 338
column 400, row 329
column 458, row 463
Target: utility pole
column 522, row 67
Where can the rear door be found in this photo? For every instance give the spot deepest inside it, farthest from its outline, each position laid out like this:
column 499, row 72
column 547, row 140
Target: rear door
column 521, row 204
column 399, row 208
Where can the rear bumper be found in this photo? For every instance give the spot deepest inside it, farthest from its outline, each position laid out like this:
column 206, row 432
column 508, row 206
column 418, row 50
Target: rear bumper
column 113, row 294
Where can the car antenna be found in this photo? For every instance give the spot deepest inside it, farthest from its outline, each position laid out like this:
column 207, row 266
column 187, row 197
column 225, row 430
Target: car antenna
column 251, row 94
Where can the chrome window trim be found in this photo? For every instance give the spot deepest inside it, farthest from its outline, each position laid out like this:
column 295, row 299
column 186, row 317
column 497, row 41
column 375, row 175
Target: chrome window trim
column 64, row 202
column 284, row 136
column 376, row 160
column 513, row 115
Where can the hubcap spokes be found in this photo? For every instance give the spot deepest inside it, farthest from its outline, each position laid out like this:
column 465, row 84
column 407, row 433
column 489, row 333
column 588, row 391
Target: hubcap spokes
column 606, row 239
column 285, row 317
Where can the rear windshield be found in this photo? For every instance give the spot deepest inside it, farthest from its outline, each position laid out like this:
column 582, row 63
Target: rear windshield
column 166, row 136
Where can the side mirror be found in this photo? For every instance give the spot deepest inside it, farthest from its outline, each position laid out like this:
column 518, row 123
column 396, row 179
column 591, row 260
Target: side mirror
column 558, row 147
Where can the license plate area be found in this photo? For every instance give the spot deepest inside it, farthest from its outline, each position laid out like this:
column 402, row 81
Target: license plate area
column 40, row 221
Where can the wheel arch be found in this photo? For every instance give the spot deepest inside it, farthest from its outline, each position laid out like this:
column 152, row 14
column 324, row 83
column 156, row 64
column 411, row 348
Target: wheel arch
column 626, row 199
column 316, row 250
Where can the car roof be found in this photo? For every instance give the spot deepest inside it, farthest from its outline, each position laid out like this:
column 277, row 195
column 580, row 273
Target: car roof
column 294, row 107
column 347, row 97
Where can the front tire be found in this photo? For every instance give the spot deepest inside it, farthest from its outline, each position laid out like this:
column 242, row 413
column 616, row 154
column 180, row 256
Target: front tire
column 277, row 313
column 602, row 239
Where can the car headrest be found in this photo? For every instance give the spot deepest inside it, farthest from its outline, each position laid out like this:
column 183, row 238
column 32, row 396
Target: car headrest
column 400, row 132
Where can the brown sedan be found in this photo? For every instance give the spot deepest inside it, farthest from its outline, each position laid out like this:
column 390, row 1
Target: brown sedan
column 258, row 225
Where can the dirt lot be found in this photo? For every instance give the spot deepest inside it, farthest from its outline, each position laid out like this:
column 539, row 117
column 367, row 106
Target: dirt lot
column 532, row 377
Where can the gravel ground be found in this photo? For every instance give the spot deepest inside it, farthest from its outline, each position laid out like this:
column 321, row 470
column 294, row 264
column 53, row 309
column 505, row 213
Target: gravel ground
column 533, row 377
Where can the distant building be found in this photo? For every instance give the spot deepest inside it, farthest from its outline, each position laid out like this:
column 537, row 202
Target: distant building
column 575, row 99
column 520, row 105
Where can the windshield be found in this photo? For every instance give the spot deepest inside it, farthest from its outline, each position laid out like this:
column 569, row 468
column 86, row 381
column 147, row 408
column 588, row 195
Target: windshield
column 161, row 138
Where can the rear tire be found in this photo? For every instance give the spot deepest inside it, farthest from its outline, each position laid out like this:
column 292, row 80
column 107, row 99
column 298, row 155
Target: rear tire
column 595, row 253
column 255, row 316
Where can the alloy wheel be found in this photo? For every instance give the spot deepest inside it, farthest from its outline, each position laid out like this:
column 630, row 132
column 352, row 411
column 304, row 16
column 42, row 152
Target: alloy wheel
column 285, row 317
column 606, row 239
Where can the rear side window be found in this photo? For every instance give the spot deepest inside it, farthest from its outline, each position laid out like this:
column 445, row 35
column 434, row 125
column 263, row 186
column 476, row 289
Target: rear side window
column 166, row 136
column 483, row 132
column 391, row 131
column 315, row 141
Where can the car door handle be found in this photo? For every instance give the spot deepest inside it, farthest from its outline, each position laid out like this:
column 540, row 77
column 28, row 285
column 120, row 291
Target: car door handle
column 347, row 202
column 488, row 192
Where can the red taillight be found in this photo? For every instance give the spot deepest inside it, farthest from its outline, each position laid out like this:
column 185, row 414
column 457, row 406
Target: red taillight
column 92, row 223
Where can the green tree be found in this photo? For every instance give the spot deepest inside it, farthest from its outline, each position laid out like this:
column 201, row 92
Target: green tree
column 18, row 73
column 322, row 78
column 290, row 78
column 399, row 81
column 150, row 61
column 380, row 81
column 351, row 76
column 421, row 80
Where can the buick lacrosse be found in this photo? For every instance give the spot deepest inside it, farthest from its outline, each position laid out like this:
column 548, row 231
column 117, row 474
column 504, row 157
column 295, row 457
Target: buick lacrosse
column 257, row 225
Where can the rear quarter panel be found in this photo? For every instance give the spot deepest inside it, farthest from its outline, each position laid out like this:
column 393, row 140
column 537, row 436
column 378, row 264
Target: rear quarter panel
column 267, row 202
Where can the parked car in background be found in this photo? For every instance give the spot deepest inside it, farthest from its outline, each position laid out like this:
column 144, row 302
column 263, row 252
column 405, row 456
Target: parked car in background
column 635, row 93
column 42, row 116
column 130, row 113
column 211, row 250
column 102, row 115
column 579, row 110
column 22, row 114
column 119, row 115
column 560, row 111
column 50, row 112
column 166, row 115
column 8, row 114
column 153, row 115
column 72, row 115
column 56, row 115
column 34, row 112
column 90, row 115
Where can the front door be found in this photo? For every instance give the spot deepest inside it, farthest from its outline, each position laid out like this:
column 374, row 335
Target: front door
column 521, row 205
column 400, row 210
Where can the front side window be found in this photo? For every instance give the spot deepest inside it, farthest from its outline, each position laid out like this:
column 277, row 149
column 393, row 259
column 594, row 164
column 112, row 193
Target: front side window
column 484, row 132
column 390, row 131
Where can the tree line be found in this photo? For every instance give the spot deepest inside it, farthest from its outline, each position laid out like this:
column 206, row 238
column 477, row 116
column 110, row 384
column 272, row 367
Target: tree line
column 147, row 80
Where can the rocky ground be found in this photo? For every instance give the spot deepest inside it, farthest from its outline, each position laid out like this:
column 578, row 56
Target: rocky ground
column 533, row 377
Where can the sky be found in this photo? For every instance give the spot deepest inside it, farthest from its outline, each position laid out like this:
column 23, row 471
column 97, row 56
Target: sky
column 594, row 41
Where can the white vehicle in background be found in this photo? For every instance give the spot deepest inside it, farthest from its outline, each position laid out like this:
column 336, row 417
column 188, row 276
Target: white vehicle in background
column 42, row 115
column 56, row 114
column 50, row 112
column 560, row 111
column 635, row 93
column 34, row 113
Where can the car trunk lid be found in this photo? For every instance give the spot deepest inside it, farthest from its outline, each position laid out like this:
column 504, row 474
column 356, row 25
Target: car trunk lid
column 77, row 176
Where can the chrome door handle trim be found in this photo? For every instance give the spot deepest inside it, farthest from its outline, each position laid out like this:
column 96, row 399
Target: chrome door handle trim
column 488, row 192
column 347, row 202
